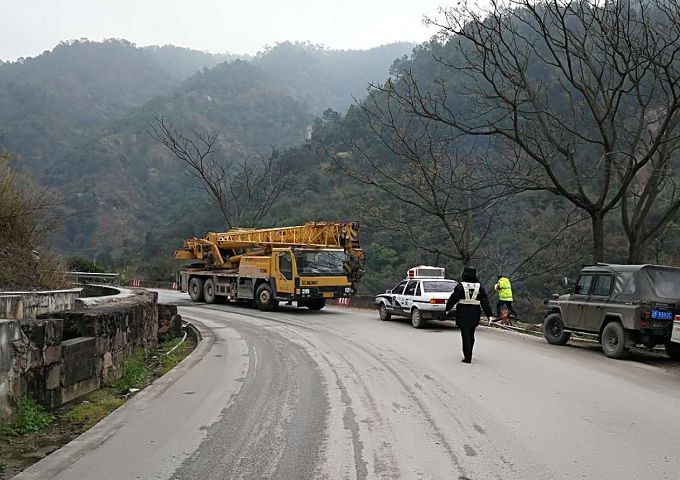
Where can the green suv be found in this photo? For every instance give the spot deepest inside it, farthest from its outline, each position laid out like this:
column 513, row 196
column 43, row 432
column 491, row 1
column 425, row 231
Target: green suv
column 624, row 305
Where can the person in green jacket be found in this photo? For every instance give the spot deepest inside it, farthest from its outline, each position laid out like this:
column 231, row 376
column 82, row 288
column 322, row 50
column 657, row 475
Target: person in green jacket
column 504, row 289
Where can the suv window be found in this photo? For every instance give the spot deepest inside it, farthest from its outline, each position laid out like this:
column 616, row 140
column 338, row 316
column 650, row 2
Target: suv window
column 603, row 285
column 411, row 287
column 417, row 294
column 399, row 288
column 583, row 285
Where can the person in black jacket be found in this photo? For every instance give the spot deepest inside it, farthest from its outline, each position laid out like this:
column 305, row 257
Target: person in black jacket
column 471, row 298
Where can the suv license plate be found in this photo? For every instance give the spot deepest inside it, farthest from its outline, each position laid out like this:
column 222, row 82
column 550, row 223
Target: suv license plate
column 662, row 315
column 327, row 294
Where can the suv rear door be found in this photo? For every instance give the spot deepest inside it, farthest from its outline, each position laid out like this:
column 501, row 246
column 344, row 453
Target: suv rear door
column 573, row 310
column 593, row 311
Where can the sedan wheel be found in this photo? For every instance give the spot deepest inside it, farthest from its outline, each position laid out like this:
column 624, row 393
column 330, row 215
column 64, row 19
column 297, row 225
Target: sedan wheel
column 417, row 318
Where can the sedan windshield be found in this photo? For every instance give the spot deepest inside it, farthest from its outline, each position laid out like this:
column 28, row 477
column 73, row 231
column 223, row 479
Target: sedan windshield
column 443, row 286
column 319, row 263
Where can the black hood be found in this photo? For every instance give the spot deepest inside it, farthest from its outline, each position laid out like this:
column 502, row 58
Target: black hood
column 469, row 275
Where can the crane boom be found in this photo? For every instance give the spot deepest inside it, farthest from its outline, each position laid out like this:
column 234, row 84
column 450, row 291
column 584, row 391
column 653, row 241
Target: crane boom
column 311, row 234
column 343, row 235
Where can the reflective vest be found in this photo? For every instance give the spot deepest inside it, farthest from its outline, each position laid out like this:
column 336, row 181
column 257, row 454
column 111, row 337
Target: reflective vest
column 471, row 290
column 504, row 290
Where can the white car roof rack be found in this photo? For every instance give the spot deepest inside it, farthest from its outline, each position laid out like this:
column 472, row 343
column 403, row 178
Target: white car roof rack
column 424, row 271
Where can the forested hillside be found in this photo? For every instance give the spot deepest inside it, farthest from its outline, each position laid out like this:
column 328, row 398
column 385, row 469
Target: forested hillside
column 528, row 155
column 77, row 118
column 437, row 160
column 324, row 78
column 48, row 104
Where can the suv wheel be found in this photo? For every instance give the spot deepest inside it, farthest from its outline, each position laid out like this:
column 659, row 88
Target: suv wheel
column 553, row 330
column 417, row 318
column 673, row 350
column 614, row 340
column 384, row 314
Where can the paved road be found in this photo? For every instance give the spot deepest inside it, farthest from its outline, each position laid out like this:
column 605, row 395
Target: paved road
column 339, row 394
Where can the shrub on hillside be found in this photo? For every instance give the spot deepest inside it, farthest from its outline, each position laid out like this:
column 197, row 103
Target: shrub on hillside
column 26, row 221
column 76, row 263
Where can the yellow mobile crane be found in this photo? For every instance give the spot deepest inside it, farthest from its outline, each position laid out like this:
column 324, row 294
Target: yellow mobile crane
column 307, row 264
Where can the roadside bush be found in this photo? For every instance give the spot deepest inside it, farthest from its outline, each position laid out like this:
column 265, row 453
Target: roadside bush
column 135, row 374
column 77, row 263
column 30, row 417
column 27, row 219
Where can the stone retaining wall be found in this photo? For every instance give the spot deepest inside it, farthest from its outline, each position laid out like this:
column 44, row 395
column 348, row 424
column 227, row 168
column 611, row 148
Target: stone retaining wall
column 10, row 331
column 18, row 305
column 61, row 356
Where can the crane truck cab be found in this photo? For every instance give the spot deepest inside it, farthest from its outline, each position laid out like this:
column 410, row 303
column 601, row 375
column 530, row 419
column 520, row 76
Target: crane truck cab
column 307, row 265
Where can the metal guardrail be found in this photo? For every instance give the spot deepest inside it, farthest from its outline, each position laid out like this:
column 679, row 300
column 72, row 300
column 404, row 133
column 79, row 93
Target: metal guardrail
column 86, row 278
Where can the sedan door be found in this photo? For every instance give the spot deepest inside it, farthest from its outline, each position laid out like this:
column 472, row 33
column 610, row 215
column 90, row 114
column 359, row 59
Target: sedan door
column 397, row 297
column 409, row 293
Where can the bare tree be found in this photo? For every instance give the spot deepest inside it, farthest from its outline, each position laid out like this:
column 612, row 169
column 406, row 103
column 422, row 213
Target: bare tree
column 244, row 189
column 664, row 249
column 587, row 91
column 437, row 178
column 547, row 239
column 650, row 203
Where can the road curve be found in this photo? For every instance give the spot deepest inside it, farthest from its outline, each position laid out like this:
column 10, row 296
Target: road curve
column 338, row 394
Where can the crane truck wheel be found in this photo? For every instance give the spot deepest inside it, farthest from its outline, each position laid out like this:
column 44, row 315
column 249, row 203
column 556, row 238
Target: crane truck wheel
column 316, row 303
column 196, row 289
column 209, row 291
column 264, row 298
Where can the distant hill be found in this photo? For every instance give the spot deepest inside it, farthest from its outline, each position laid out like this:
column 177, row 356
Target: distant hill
column 329, row 78
column 51, row 102
column 77, row 119
column 123, row 182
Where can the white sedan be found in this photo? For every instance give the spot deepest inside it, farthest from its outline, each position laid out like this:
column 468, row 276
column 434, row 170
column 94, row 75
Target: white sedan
column 419, row 299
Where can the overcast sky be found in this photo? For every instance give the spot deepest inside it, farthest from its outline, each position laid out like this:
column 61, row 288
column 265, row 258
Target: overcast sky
column 28, row 27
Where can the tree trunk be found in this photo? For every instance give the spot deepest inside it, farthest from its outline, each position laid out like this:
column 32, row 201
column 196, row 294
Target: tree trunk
column 636, row 249
column 467, row 237
column 634, row 253
column 597, row 220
